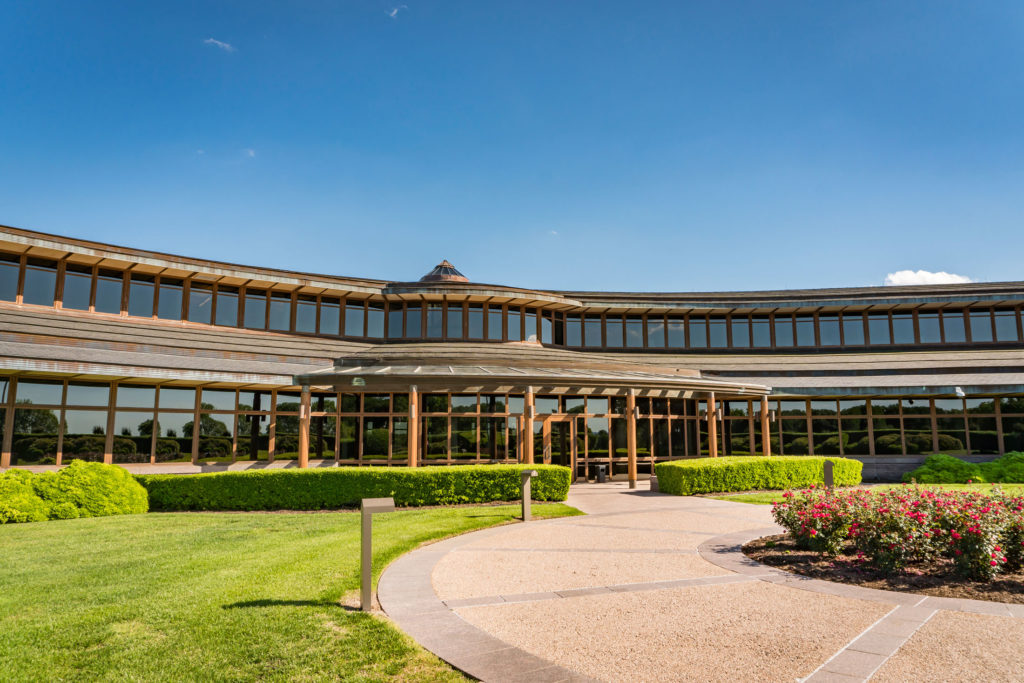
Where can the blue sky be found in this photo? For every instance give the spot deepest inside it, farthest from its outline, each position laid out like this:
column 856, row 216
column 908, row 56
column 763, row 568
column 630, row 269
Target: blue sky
column 573, row 145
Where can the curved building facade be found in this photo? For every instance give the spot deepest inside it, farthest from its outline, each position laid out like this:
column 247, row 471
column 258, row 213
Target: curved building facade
column 163, row 362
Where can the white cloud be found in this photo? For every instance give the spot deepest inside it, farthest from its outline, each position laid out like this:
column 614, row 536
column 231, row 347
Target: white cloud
column 553, row 233
column 250, row 153
column 924, row 277
column 394, row 10
column 227, row 47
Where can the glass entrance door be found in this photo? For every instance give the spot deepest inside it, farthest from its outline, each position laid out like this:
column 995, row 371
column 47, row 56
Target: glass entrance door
column 557, row 443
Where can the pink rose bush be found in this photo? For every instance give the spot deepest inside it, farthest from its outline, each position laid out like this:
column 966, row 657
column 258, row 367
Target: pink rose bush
column 982, row 535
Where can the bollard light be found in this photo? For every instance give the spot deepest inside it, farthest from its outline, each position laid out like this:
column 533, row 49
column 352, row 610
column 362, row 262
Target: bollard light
column 526, row 475
column 368, row 507
column 829, row 475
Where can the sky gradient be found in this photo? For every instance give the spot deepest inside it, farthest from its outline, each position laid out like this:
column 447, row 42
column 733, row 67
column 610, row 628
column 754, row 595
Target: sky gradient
column 568, row 145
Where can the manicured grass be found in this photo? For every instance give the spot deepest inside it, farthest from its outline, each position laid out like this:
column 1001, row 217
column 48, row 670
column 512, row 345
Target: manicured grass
column 769, row 497
column 213, row 596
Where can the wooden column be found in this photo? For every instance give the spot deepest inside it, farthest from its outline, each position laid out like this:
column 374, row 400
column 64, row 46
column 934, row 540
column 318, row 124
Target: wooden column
column 414, row 426
column 766, row 434
column 304, row 419
column 197, row 408
column 108, row 443
column 631, row 437
column 528, row 426
column 712, row 426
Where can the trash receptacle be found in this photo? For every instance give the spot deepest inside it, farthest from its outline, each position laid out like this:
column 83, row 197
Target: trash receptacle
column 601, row 473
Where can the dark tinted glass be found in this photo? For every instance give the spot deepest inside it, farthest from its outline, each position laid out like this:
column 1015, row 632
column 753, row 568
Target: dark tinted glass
column 573, row 330
column 676, row 333
column 109, row 284
column 902, row 328
column 200, row 303
column 878, row 328
column 280, row 311
column 227, row 306
column 853, row 329
column 1006, row 325
column 454, row 326
column 255, row 309
column 414, row 321
column 698, row 333
column 9, row 265
column 717, row 336
column 592, row 330
column 656, row 332
column 953, row 327
column 634, row 333
column 77, row 287
column 40, row 282
column 305, row 314
column 353, row 319
column 169, row 303
column 476, row 321
column 140, row 296
column 928, row 327
column 375, row 320
column 805, row 330
column 762, row 332
column 613, row 331
column 515, row 324
column 435, row 321
column 740, row 332
column 828, row 328
column 330, row 316
column 783, row 330
column 494, row 323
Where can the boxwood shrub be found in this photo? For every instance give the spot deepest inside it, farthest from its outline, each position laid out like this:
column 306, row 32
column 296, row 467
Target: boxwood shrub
column 82, row 489
column 751, row 473
column 339, row 487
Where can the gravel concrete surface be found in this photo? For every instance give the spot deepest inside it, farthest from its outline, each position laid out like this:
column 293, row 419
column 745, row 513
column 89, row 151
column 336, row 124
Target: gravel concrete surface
column 479, row 573
column 962, row 647
column 752, row 631
column 580, row 537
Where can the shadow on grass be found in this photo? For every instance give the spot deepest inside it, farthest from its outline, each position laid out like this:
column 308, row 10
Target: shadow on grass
column 289, row 603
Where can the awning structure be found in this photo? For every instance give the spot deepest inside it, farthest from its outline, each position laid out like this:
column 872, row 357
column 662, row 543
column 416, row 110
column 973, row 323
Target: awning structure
column 366, row 374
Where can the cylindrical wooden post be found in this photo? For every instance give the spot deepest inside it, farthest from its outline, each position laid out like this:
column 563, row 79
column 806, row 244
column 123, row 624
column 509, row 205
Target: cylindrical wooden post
column 631, row 437
column 766, row 434
column 304, row 418
column 528, row 426
column 712, row 426
column 414, row 426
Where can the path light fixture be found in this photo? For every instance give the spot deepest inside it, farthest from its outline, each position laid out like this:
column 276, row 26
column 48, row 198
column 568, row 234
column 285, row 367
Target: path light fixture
column 524, row 488
column 368, row 507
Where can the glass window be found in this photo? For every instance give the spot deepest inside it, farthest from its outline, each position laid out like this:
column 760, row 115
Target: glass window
column 676, row 333
column 464, row 403
column 592, row 330
column 375, row 437
column 400, row 439
column 515, row 324
column 376, row 403
column 280, row 311
column 544, row 405
column 353, row 319
column 828, row 328
column 784, row 330
column 77, row 287
column 255, row 309
column 494, row 323
column 414, row 321
column 305, row 314
column 9, row 266
column 928, row 328
column 464, row 437
column 574, row 404
column 635, row 332
column 573, row 330
column 44, row 426
column 613, row 331
column 131, row 396
column 656, row 332
column 698, row 333
column 81, row 394
column 717, row 334
column 395, row 313
column 454, row 330
column 330, row 316
column 762, row 332
column 853, row 329
column 169, row 302
column 805, row 330
column 435, row 321
column 878, row 328
column 200, row 303
column 178, row 398
column 530, row 325
column 492, row 403
column 476, row 321
column 350, row 403
column 740, row 332
column 375, row 320
column 40, row 282
column 953, row 327
column 1006, row 325
column 435, row 403
column 545, row 327
column 109, row 284
column 902, row 328
column 39, row 392
column 221, row 399
column 83, row 434
column 597, row 405
column 227, row 306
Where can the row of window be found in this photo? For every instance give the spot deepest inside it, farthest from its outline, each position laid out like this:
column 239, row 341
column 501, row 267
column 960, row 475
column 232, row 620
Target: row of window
column 36, row 282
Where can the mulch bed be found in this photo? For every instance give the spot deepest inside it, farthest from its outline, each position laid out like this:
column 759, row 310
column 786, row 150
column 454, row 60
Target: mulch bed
column 937, row 579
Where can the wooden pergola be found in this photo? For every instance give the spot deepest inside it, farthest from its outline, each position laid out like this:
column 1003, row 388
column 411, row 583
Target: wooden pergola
column 425, row 374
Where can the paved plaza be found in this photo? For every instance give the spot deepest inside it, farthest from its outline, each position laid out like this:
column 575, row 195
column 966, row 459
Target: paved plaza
column 653, row 587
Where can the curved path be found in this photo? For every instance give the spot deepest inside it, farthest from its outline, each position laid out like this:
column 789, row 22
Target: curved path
column 654, row 587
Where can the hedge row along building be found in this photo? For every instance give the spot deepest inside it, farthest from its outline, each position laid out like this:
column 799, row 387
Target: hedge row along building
column 166, row 362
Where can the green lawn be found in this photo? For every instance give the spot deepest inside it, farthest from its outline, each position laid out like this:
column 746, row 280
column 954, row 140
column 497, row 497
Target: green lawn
column 769, row 497
column 212, row 596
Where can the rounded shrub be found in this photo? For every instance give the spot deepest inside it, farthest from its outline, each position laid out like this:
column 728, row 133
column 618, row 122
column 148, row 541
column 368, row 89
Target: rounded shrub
column 944, row 469
column 93, row 488
column 19, row 501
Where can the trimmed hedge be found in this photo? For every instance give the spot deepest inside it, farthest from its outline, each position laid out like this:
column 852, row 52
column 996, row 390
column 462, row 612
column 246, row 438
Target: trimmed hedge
column 751, row 473
column 339, row 487
column 945, row 469
column 82, row 489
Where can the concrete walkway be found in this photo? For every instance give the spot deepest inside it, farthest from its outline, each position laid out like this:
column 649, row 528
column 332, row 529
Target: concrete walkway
column 653, row 587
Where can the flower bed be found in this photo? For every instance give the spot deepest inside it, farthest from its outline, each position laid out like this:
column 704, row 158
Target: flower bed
column 977, row 535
